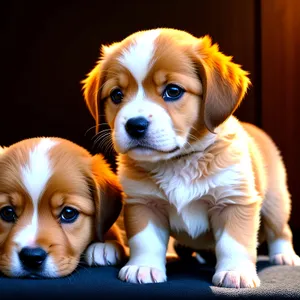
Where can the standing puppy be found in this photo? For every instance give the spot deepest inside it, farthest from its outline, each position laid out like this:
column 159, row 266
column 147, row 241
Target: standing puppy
column 56, row 200
column 189, row 169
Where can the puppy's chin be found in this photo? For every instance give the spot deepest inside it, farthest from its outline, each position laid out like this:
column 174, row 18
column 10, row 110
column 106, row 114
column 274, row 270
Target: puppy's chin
column 150, row 155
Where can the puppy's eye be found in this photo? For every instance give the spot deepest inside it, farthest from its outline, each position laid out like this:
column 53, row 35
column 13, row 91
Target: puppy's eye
column 172, row 92
column 68, row 215
column 8, row 214
column 116, row 96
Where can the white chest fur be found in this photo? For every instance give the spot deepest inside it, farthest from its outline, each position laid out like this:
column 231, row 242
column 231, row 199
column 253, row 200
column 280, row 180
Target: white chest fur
column 192, row 194
column 194, row 184
column 189, row 194
column 192, row 219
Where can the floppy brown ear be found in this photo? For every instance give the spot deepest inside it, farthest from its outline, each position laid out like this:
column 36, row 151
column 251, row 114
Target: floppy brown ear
column 92, row 84
column 224, row 83
column 107, row 196
column 91, row 90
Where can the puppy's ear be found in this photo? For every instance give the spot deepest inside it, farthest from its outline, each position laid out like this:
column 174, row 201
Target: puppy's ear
column 107, row 195
column 224, row 83
column 91, row 88
column 92, row 84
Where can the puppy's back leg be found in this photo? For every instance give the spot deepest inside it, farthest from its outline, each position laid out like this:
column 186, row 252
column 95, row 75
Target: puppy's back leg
column 275, row 217
column 277, row 204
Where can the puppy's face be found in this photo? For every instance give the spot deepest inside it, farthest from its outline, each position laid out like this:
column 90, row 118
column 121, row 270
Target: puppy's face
column 48, row 207
column 162, row 90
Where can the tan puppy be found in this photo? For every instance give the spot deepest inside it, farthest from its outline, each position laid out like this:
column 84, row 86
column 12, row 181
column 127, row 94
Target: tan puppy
column 55, row 200
column 188, row 167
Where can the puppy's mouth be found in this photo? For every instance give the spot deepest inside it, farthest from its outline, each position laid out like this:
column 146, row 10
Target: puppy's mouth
column 148, row 147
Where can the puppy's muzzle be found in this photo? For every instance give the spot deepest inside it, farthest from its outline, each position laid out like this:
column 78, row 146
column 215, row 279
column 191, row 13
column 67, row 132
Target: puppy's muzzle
column 137, row 127
column 32, row 258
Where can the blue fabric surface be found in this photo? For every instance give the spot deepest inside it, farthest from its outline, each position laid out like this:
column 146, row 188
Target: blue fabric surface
column 186, row 280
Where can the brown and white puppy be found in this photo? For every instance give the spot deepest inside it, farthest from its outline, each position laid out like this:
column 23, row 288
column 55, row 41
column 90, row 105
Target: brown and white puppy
column 189, row 169
column 56, row 200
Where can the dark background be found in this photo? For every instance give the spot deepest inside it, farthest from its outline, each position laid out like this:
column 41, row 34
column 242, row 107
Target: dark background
column 47, row 47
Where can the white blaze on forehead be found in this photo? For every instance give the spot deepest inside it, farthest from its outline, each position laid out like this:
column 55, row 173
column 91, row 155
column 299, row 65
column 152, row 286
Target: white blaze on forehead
column 138, row 56
column 38, row 170
column 27, row 236
column 35, row 175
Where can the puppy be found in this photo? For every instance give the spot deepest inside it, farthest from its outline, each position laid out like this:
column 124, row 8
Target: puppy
column 189, row 169
column 55, row 201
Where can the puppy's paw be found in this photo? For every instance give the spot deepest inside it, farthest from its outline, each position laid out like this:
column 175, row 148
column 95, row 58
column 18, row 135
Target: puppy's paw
column 290, row 259
column 142, row 274
column 104, row 254
column 236, row 279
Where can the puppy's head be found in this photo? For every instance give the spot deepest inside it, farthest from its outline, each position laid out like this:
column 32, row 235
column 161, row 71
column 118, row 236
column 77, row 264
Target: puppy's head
column 162, row 91
column 52, row 197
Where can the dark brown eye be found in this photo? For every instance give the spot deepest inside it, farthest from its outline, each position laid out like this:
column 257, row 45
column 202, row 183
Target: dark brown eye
column 68, row 215
column 116, row 96
column 8, row 214
column 172, row 92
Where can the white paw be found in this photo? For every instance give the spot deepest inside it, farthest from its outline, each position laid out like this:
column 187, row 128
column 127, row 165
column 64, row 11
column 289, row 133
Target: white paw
column 236, row 279
column 142, row 274
column 104, row 254
column 290, row 259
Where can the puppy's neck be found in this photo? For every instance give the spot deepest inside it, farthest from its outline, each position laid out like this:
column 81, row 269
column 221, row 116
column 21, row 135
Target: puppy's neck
column 191, row 152
column 209, row 143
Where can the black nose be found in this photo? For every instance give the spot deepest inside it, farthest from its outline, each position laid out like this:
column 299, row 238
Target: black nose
column 32, row 258
column 137, row 127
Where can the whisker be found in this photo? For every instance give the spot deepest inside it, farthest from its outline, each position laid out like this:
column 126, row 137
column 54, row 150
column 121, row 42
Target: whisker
column 191, row 136
column 90, row 129
column 101, row 141
column 109, row 147
column 196, row 129
column 104, row 135
column 105, row 143
column 101, row 133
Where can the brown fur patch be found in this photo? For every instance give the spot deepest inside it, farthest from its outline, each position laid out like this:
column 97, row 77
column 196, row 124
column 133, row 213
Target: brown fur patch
column 268, row 165
column 224, row 83
column 137, row 217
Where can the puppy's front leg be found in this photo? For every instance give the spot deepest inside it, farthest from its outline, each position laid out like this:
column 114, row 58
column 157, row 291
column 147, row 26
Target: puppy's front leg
column 235, row 229
column 111, row 252
column 148, row 235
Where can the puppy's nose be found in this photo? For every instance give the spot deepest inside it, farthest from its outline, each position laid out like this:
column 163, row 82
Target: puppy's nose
column 32, row 258
column 137, row 127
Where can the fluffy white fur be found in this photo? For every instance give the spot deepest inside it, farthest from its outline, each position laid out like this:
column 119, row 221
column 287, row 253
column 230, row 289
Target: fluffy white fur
column 37, row 172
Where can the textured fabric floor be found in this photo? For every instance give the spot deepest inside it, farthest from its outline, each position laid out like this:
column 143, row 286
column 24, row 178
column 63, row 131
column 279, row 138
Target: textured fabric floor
column 186, row 280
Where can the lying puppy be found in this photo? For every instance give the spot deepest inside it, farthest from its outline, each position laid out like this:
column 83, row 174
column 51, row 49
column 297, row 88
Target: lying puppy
column 55, row 199
column 189, row 169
